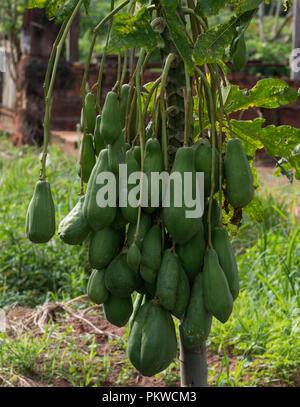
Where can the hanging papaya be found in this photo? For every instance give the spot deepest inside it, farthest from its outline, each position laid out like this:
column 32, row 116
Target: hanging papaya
column 224, row 250
column 167, row 280
column 104, row 245
column 239, row 178
column 197, row 321
column 96, row 289
column 110, row 127
column 152, row 343
column 144, row 227
column 182, row 294
column 90, row 112
column 97, row 216
column 217, row 296
column 98, row 139
column 123, row 103
column 119, row 222
column 151, row 254
column 88, row 157
column 40, row 218
column 118, row 310
column 74, row 228
column 153, row 162
column 133, row 257
column 116, row 154
column 137, row 154
column 128, row 212
column 203, row 163
column 180, row 227
column 191, row 254
column 120, row 280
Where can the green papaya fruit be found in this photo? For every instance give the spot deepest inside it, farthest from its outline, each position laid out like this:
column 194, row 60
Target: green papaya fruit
column 140, row 284
column 224, row 250
column 118, row 310
column 150, row 288
column 181, row 228
column 167, row 280
column 136, row 306
column 74, row 228
column 127, row 146
column 215, row 216
column 116, row 154
column 90, row 112
column 134, row 257
column 110, row 127
column 88, row 157
column 192, row 253
column 137, row 154
column 153, row 162
column 97, row 217
column 217, row 296
column 119, row 278
column 203, row 163
column 152, row 343
column 144, row 227
column 40, row 218
column 123, row 103
column 96, row 289
column 98, row 139
column 104, row 245
column 151, row 254
column 182, row 294
column 197, row 321
column 239, row 57
column 239, row 178
column 128, row 212
column 119, row 222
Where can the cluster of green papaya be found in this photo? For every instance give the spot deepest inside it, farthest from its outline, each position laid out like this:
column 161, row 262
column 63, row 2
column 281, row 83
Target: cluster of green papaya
column 154, row 254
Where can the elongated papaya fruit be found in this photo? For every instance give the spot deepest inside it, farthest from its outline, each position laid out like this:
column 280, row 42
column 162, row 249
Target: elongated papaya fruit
column 180, row 227
column 137, row 154
column 74, row 228
column 192, row 253
column 182, row 294
column 120, row 280
column 88, row 157
column 96, row 289
column 196, row 324
column 134, row 257
column 128, row 212
column 153, row 162
column 104, row 245
column 123, row 103
column 98, row 139
column 116, row 154
column 110, row 127
column 217, row 296
column 203, row 163
column 119, row 222
column 90, row 111
column 98, row 217
column 144, row 227
column 152, row 343
column 151, row 254
column 239, row 178
column 118, row 310
column 167, row 280
column 40, row 219
column 224, row 250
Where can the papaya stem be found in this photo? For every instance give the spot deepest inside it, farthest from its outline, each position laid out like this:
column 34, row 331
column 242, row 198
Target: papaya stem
column 124, row 70
column 188, row 106
column 48, row 98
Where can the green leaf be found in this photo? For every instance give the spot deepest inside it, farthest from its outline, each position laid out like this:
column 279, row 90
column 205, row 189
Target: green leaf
column 63, row 10
column 210, row 7
column 133, row 31
column 175, row 27
column 241, row 6
column 267, row 93
column 37, row 3
column 254, row 210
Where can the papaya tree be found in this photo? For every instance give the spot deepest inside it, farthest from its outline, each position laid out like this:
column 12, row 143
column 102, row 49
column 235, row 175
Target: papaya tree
column 176, row 267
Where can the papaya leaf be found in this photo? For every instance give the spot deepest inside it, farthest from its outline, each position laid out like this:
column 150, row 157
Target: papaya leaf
column 133, row 31
column 210, row 7
column 241, row 6
column 176, row 31
column 268, row 93
column 37, row 3
column 63, row 11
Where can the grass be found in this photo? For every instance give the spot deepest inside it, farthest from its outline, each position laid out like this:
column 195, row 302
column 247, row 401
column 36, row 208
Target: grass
column 259, row 345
